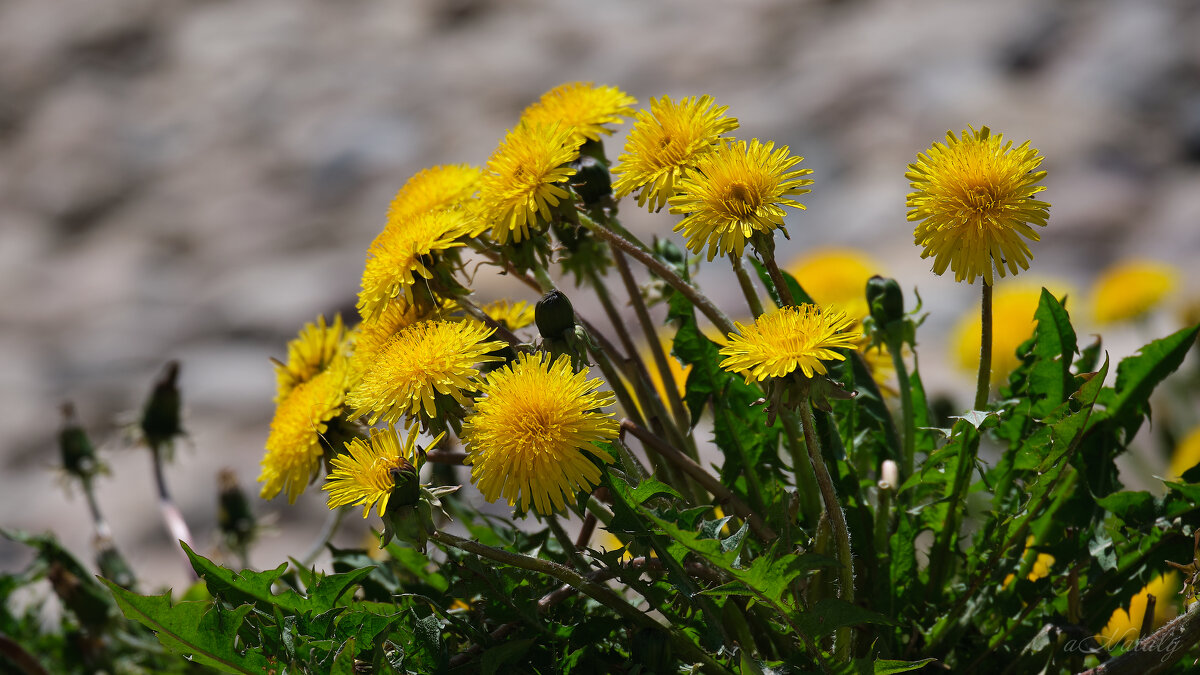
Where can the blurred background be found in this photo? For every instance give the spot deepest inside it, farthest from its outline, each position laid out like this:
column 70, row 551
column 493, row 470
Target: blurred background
column 195, row 179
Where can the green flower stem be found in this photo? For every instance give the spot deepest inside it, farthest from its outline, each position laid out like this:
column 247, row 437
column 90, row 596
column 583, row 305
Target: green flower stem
column 543, row 278
column 806, row 480
column 743, row 277
column 664, row 272
column 599, row 509
column 985, row 348
column 568, row 546
column 171, row 514
column 333, row 520
column 843, row 637
column 942, row 554
column 781, row 285
column 89, row 492
column 656, row 350
column 597, row 591
column 706, row 480
column 907, row 464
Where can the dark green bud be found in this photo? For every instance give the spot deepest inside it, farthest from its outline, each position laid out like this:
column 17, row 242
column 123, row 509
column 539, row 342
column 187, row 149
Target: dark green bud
column 113, row 565
column 669, row 252
column 591, row 180
column 406, row 490
column 78, row 455
column 234, row 517
column 160, row 418
column 554, row 315
column 886, row 300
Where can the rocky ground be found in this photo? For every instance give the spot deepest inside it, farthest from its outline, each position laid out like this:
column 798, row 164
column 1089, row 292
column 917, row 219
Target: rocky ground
column 193, row 180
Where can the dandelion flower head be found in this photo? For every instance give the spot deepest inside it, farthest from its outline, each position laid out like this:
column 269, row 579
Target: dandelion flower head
column 523, row 178
column 582, row 107
column 1125, row 625
column 1040, row 568
column 1131, row 289
column 664, row 143
column 401, row 256
column 368, row 471
column 433, row 189
column 533, row 430
column 837, row 276
column 312, row 352
column 514, row 315
column 787, row 339
column 294, row 447
column 370, row 336
column 973, row 204
column 736, row 190
column 418, row 363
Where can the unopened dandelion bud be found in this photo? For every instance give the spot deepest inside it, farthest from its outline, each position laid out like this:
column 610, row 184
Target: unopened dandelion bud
column 78, row 455
column 889, row 476
column 160, row 418
column 592, row 181
column 112, row 564
column 234, row 517
column 554, row 315
column 886, row 300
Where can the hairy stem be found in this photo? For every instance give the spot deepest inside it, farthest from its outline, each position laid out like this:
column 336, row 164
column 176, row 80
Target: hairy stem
column 983, row 388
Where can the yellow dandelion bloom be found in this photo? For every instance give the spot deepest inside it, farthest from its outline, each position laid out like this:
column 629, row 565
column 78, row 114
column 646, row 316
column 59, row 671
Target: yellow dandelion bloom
column 316, row 347
column 738, row 189
column 513, row 315
column 1013, row 308
column 788, row 338
column 582, row 107
column 400, row 256
column 1186, row 455
column 1040, row 568
column 664, row 143
column 837, row 276
column 677, row 372
column 368, row 471
column 433, row 189
column 371, row 336
column 973, row 202
column 425, row 359
column 532, row 431
column 1131, row 289
column 294, row 447
column 1124, row 626
column 523, row 179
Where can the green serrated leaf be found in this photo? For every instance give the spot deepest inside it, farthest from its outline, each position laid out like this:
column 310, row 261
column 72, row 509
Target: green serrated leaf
column 343, row 663
column 201, row 631
column 1138, row 375
column 892, row 666
column 829, row 614
column 245, row 586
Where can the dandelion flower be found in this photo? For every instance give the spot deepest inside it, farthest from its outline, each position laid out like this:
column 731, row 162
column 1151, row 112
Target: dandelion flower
column 371, row 336
column 973, row 202
column 1013, row 308
column 837, row 276
column 1040, row 568
column 294, row 447
column 665, row 142
column 311, row 353
column 532, row 431
column 1125, row 626
column 418, row 363
column 1131, row 289
column 523, row 179
column 789, row 338
column 513, row 315
column 582, row 107
column 433, row 189
column 369, row 470
column 400, row 256
column 738, row 189
column 1186, row 455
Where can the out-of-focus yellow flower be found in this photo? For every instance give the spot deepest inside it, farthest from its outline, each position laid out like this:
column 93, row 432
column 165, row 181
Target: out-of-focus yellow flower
column 433, row 189
column 607, row 541
column 533, row 430
column 513, row 315
column 1186, row 455
column 837, row 276
column 1013, row 307
column 420, row 362
column 401, row 256
column 582, row 107
column 1131, row 289
column 664, row 143
column 294, row 447
column 787, row 339
column 370, row 469
column 1040, row 568
column 737, row 190
column 973, row 203
column 523, row 179
column 316, row 347
column 1125, row 625
column 677, row 371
